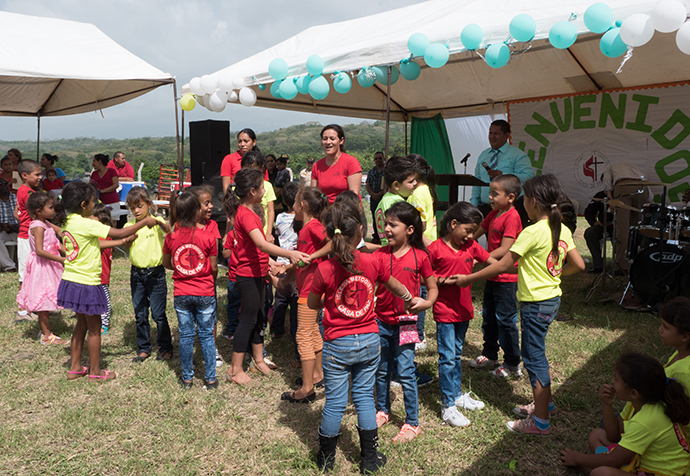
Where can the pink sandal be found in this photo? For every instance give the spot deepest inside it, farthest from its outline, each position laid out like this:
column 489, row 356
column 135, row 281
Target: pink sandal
column 108, row 376
column 400, row 437
column 78, row 373
column 381, row 416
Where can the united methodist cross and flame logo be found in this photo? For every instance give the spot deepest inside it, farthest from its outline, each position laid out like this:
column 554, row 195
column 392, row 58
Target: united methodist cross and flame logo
column 354, row 296
column 589, row 167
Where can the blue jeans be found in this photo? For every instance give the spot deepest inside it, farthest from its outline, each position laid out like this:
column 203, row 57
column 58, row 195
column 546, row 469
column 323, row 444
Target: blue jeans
column 199, row 311
column 232, row 309
column 401, row 356
column 500, row 322
column 357, row 356
column 421, row 317
column 451, row 338
column 535, row 320
column 149, row 289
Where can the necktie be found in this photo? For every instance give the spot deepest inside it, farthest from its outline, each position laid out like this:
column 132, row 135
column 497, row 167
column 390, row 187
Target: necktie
column 493, row 161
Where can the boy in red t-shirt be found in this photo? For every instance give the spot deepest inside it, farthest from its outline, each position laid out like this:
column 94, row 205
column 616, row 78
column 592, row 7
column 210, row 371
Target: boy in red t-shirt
column 51, row 182
column 499, row 312
column 30, row 172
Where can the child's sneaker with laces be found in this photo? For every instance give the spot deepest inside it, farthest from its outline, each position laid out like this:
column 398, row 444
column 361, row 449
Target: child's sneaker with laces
column 453, row 417
column 482, row 362
column 525, row 411
column 527, row 427
column 504, row 371
column 466, row 402
column 219, row 359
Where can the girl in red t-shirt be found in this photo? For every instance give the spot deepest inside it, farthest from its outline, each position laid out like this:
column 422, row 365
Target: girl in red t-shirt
column 407, row 259
column 311, row 203
column 250, row 252
column 351, row 343
column 192, row 255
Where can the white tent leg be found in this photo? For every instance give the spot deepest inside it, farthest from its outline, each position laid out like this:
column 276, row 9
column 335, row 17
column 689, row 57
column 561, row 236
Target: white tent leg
column 388, row 109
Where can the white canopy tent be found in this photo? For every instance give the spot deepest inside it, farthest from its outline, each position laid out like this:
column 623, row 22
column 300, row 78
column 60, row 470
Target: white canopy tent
column 466, row 85
column 51, row 67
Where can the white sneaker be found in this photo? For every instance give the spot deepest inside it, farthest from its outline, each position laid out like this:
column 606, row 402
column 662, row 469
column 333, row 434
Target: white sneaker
column 483, row 362
column 219, row 360
column 506, row 372
column 466, row 402
column 420, row 345
column 453, row 417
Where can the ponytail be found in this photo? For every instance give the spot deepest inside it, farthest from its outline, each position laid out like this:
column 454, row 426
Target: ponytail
column 343, row 225
column 646, row 375
column 548, row 193
column 245, row 181
column 428, row 175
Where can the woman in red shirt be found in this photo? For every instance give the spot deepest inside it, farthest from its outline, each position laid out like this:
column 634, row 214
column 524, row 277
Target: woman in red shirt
column 246, row 141
column 105, row 179
column 337, row 171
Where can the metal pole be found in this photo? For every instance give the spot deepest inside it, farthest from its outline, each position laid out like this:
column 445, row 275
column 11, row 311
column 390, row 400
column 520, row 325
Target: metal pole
column 180, row 162
column 388, row 110
column 182, row 138
column 406, row 152
column 38, row 138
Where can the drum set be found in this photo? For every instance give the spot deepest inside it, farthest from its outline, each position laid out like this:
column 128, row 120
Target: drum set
column 658, row 251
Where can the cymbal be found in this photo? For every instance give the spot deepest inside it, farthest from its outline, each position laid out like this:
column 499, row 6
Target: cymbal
column 619, row 204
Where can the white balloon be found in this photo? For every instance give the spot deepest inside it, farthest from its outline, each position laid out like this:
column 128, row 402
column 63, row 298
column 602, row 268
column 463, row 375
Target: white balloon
column 232, row 96
column 195, row 86
column 200, row 99
column 218, row 101
column 247, row 96
column 237, row 82
column 208, row 84
column 637, row 30
column 683, row 38
column 225, row 82
column 207, row 102
column 668, row 15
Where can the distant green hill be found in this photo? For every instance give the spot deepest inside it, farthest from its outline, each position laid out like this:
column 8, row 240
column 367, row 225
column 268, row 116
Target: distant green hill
column 299, row 142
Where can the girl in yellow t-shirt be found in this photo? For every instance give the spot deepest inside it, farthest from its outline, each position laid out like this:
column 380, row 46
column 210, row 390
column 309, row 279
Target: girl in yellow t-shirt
column 648, row 439
column 675, row 332
column 80, row 287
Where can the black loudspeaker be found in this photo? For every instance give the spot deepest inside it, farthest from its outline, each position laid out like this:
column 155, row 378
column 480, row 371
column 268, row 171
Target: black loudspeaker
column 209, row 143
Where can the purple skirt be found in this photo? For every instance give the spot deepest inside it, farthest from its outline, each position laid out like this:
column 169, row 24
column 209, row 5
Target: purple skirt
column 82, row 298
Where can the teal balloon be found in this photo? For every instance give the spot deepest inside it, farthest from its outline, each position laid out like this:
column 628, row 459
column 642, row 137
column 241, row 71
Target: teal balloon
column 611, row 44
column 618, row 23
column 364, row 80
column 418, row 43
column 471, row 36
column 288, row 90
column 303, row 84
column 262, row 87
column 522, row 27
column 436, row 55
column 410, row 70
column 381, row 74
column 315, row 65
column 497, row 55
column 278, row 69
column 562, row 35
column 319, row 88
column 598, row 17
column 342, row 83
column 395, row 74
column 275, row 89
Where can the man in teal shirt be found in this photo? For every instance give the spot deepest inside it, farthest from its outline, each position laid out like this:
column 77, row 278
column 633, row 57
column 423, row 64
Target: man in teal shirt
column 501, row 158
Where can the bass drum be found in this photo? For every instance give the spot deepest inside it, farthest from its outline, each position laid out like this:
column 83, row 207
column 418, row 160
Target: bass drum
column 661, row 273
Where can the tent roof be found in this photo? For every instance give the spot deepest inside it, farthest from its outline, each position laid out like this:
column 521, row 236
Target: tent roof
column 466, row 85
column 57, row 67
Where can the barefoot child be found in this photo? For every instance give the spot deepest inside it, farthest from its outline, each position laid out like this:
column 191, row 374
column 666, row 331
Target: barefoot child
column 44, row 265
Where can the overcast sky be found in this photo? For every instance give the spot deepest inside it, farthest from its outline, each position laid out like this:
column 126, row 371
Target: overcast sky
column 186, row 39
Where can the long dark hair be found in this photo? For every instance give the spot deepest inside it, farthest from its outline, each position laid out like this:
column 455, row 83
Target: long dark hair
column 51, row 158
column 37, row 201
column 102, row 212
column 251, row 134
column 338, row 130
column 187, row 207
column 428, row 176
column 463, row 213
column 73, row 195
column 409, row 216
column 314, row 200
column 548, row 193
column 677, row 313
column 646, row 375
column 342, row 225
column 253, row 157
column 245, row 181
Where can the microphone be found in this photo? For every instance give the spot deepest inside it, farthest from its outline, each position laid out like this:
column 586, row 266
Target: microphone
column 486, row 167
column 464, row 159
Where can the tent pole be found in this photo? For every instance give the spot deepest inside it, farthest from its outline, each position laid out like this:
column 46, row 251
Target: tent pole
column 388, row 110
column 405, row 135
column 182, row 138
column 38, row 137
column 180, row 162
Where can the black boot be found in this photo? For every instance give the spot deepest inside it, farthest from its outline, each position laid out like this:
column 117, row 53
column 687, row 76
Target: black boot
column 372, row 460
column 325, row 456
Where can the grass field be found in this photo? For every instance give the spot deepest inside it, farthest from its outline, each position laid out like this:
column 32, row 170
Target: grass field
column 142, row 423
